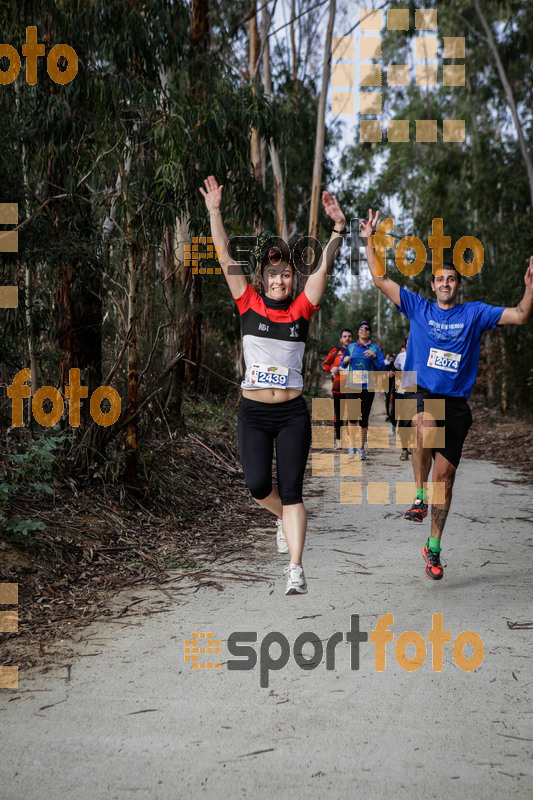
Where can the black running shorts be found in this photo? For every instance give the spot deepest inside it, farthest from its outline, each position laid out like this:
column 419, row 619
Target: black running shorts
column 289, row 425
column 457, row 422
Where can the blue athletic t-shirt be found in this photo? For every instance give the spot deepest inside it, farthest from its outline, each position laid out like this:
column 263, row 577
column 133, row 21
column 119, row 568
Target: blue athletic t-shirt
column 360, row 362
column 444, row 343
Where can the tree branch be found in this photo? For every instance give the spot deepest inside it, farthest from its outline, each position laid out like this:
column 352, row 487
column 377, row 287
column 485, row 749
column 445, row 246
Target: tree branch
column 509, row 97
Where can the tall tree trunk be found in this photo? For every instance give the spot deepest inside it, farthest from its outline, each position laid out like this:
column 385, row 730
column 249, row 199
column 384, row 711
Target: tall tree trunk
column 489, row 355
column 78, row 310
column 504, row 383
column 190, row 319
column 378, row 321
column 79, row 333
column 279, row 188
column 183, row 289
column 293, row 49
column 320, row 128
column 29, row 298
column 509, row 97
column 358, row 293
column 200, row 32
column 132, row 451
column 170, row 262
column 254, row 50
column 191, row 326
column 177, row 279
column 28, row 311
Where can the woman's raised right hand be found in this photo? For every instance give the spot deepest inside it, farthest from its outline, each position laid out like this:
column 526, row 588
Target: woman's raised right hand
column 212, row 193
column 367, row 228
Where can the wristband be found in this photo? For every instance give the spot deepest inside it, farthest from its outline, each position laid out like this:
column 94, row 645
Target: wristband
column 342, row 233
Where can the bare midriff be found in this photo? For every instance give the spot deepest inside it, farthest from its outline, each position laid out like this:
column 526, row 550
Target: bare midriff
column 271, row 395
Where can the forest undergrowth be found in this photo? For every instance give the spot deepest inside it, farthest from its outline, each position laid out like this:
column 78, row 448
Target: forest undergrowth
column 78, row 539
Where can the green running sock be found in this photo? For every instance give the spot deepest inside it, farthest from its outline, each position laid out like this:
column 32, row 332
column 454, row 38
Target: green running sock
column 434, row 544
column 421, row 495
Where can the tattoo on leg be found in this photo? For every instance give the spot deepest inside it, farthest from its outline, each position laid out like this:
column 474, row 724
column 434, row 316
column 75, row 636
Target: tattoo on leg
column 520, row 308
column 439, row 515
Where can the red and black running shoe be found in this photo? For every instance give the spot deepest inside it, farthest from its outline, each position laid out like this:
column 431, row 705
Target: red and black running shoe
column 434, row 569
column 418, row 511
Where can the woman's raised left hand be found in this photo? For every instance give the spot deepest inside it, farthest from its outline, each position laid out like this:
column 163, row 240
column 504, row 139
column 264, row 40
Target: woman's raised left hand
column 332, row 209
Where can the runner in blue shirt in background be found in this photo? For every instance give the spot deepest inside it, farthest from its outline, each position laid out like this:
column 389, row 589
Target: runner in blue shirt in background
column 443, row 349
column 362, row 357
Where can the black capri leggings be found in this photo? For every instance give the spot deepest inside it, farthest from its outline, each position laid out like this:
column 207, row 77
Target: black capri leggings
column 337, row 397
column 367, row 398
column 289, row 424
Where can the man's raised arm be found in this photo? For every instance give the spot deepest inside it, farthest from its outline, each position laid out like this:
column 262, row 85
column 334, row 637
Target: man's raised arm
column 375, row 244
column 522, row 312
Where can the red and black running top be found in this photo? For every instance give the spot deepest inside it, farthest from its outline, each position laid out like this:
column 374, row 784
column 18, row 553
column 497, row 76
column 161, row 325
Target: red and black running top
column 274, row 333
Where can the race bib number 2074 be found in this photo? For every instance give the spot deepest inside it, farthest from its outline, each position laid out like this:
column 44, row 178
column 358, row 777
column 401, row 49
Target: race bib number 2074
column 441, row 359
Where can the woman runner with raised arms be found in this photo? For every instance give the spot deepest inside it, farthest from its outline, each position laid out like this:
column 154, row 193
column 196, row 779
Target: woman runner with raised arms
column 274, row 330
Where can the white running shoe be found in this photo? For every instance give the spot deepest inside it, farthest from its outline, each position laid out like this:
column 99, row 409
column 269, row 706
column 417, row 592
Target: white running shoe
column 392, row 430
column 351, row 452
column 337, row 444
column 281, row 541
column 361, row 452
column 296, row 583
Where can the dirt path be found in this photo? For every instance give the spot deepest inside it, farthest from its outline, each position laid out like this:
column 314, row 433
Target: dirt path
column 126, row 716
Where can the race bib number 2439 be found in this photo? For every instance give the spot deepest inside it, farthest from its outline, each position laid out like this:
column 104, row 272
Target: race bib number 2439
column 268, row 376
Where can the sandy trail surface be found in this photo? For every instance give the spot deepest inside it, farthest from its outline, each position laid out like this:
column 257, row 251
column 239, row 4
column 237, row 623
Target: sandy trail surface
column 127, row 716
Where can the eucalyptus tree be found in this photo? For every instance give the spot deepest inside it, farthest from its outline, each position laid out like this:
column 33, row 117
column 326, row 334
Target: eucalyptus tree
column 480, row 186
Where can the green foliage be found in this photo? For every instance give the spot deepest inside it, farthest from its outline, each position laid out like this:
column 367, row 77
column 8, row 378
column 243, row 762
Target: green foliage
column 27, row 473
column 103, row 167
column 479, row 187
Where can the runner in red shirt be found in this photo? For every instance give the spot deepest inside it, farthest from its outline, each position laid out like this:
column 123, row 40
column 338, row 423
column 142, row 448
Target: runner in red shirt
column 333, row 364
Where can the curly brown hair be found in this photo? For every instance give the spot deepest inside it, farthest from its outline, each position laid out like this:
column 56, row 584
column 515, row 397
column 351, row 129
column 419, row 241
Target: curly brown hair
column 273, row 257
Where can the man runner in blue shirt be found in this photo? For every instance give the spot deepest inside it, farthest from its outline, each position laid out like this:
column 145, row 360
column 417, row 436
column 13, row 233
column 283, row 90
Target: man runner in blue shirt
column 443, row 350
